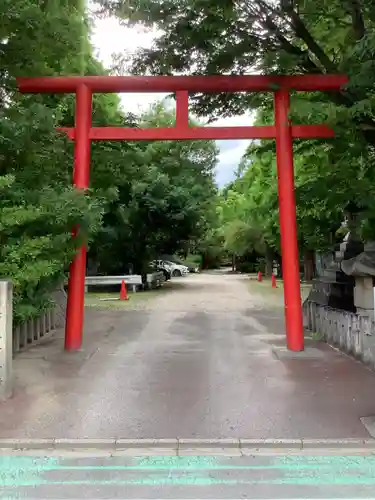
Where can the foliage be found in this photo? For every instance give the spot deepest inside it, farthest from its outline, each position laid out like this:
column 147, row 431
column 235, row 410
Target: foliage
column 36, row 242
column 326, row 181
column 38, row 210
column 237, row 37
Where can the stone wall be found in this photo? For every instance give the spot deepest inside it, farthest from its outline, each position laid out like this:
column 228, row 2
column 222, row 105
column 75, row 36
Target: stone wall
column 350, row 332
column 35, row 330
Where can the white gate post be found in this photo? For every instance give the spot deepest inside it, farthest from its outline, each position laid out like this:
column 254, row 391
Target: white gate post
column 6, row 338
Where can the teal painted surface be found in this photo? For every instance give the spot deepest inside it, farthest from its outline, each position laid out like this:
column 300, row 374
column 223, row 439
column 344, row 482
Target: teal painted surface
column 192, row 463
column 18, row 471
column 28, row 471
column 323, row 471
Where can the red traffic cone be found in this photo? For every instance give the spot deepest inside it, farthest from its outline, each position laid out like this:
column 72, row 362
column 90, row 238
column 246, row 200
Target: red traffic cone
column 123, row 292
column 259, row 276
column 274, row 281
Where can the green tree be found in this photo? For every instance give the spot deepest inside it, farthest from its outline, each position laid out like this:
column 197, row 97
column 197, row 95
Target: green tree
column 164, row 194
column 38, row 208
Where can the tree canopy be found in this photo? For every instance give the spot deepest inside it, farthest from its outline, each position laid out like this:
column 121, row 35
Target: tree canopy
column 237, row 37
column 164, row 194
column 259, row 36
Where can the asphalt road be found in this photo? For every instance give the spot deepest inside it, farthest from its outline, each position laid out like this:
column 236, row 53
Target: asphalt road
column 268, row 476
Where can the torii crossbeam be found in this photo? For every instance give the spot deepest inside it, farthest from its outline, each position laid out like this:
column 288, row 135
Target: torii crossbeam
column 284, row 133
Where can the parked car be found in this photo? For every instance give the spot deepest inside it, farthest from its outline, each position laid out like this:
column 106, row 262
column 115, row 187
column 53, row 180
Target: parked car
column 174, row 269
column 193, row 267
column 177, row 269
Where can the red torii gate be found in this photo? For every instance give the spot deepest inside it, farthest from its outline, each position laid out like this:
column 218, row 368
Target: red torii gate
column 284, row 133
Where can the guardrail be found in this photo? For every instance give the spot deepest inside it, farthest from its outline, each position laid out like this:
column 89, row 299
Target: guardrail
column 133, row 281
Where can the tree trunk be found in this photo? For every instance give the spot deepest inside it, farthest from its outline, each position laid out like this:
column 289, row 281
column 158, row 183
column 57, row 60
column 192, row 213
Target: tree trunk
column 233, row 262
column 144, row 281
column 308, row 265
column 269, row 261
column 280, row 265
column 204, row 261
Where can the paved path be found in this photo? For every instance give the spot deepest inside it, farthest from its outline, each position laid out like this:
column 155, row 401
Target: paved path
column 196, row 362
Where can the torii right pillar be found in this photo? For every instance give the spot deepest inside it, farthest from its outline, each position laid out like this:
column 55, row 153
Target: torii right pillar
column 288, row 223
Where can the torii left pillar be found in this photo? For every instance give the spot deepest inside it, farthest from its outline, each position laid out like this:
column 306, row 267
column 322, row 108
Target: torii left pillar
column 81, row 179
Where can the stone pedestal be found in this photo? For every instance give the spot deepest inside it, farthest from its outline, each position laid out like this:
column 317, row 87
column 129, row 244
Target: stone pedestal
column 362, row 269
column 364, row 295
column 334, row 288
column 327, row 291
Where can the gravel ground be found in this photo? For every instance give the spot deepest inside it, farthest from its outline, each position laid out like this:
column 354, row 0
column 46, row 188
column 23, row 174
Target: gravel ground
column 207, row 291
column 195, row 360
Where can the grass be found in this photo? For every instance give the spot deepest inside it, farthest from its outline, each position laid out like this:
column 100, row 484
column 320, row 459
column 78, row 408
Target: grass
column 317, row 336
column 107, row 300
column 264, row 288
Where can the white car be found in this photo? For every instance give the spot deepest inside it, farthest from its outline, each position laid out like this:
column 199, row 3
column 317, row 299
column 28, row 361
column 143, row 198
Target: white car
column 175, row 269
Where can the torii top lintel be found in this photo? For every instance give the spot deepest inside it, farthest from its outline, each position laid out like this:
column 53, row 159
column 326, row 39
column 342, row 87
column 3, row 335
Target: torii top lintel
column 209, row 84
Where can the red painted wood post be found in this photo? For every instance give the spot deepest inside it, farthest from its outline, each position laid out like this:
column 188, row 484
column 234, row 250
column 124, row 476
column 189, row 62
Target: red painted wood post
column 288, row 224
column 182, row 109
column 81, row 179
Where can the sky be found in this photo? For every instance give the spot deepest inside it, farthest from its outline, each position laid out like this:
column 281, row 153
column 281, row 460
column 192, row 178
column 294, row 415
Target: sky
column 110, row 37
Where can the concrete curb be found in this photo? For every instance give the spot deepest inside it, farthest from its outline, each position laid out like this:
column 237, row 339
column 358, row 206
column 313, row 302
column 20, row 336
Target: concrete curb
column 183, row 444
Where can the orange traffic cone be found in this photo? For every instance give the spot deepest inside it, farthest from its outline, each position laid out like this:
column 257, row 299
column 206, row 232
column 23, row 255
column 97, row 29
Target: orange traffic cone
column 274, row 281
column 123, row 292
column 259, row 276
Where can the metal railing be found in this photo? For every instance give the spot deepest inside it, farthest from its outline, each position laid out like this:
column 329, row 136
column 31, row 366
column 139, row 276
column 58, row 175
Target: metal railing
column 133, row 281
